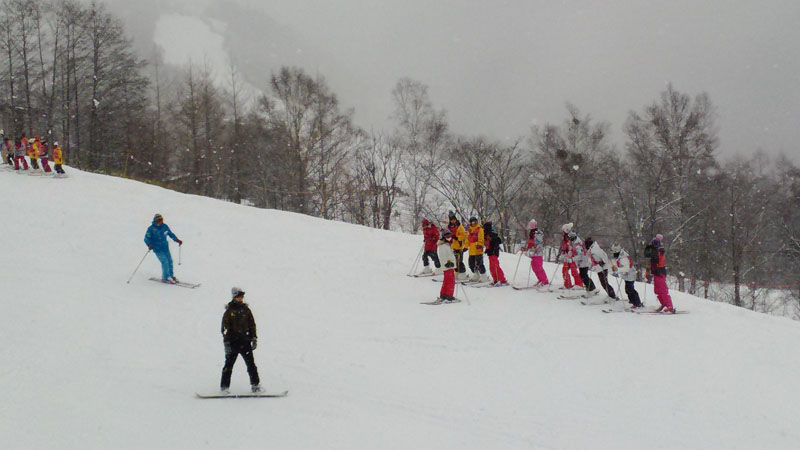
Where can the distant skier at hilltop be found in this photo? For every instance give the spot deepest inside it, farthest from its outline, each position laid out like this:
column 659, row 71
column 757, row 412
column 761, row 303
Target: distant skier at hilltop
column 156, row 240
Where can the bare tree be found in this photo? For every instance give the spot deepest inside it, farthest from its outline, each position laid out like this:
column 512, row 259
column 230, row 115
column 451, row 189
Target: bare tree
column 422, row 134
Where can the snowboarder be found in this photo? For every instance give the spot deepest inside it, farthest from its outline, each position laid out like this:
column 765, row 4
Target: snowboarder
column 658, row 267
column 156, row 240
column 448, row 258
column 569, row 265
column 240, row 338
column 430, row 236
column 535, row 252
column 457, row 244
column 58, row 158
column 493, row 250
column 475, row 237
column 600, row 264
column 623, row 267
column 578, row 255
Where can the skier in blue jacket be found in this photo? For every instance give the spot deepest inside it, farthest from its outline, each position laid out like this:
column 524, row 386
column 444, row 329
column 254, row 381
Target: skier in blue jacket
column 156, row 240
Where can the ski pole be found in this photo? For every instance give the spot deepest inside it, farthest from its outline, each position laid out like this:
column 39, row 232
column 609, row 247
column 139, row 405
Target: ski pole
column 553, row 276
column 619, row 288
column 179, row 254
column 416, row 260
column 137, row 267
column 464, row 291
column 514, row 280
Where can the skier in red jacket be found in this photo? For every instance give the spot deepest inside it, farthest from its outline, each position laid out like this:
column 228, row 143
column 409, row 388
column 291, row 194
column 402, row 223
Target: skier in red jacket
column 430, row 235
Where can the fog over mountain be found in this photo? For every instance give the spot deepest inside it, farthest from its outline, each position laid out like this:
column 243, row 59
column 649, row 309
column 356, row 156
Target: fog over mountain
column 500, row 67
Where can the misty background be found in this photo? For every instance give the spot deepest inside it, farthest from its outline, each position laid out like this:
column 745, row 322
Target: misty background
column 498, row 68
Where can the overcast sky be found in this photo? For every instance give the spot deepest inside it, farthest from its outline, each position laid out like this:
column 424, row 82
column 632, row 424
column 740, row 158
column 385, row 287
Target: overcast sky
column 498, row 67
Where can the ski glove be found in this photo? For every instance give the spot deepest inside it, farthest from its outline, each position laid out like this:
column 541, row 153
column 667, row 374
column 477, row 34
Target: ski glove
column 614, row 274
column 150, row 247
column 253, row 344
column 180, row 242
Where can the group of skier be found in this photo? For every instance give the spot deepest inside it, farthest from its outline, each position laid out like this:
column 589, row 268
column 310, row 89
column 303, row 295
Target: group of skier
column 36, row 149
column 445, row 248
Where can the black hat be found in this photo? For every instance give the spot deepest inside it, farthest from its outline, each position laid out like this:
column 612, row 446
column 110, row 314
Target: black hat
column 473, row 219
column 451, row 215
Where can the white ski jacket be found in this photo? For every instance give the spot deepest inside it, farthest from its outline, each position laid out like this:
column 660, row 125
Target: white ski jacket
column 446, row 256
column 625, row 266
column 599, row 257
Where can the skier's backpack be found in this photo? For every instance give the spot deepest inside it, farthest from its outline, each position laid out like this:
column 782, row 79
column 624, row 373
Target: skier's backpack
column 649, row 251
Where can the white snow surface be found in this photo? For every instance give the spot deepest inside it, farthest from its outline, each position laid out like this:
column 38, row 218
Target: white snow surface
column 90, row 362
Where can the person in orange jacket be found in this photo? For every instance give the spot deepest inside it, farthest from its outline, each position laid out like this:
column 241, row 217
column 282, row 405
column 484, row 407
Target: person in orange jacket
column 457, row 244
column 475, row 238
column 32, row 148
column 58, row 158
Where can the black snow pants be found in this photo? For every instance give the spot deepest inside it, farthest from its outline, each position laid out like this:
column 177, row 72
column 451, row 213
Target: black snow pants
column 633, row 296
column 459, row 254
column 476, row 264
column 432, row 255
column 239, row 348
column 587, row 281
column 603, row 276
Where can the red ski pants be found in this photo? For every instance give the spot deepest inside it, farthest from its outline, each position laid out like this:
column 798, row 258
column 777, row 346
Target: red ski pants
column 661, row 290
column 495, row 270
column 537, row 264
column 17, row 160
column 45, row 165
column 565, row 271
column 449, row 283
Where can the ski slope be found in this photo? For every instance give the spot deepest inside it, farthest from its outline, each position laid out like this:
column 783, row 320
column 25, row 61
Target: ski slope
column 90, row 362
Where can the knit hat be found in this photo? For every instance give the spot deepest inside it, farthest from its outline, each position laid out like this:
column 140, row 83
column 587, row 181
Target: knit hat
column 660, row 237
column 532, row 225
column 451, row 215
column 425, row 223
column 572, row 235
column 157, row 217
column 567, row 227
column 445, row 234
column 236, row 292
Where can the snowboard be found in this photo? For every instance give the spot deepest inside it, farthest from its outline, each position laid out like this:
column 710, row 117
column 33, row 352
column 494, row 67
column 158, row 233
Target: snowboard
column 253, row 395
column 179, row 283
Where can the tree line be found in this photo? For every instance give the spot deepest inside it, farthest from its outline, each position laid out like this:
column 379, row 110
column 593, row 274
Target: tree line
column 70, row 72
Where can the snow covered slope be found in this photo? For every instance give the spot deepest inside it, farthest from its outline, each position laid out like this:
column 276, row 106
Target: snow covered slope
column 90, row 362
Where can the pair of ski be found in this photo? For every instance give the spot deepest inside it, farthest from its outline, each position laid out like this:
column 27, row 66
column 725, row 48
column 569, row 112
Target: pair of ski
column 421, row 275
column 468, row 283
column 253, row 395
column 644, row 311
column 177, row 283
column 439, row 301
column 536, row 287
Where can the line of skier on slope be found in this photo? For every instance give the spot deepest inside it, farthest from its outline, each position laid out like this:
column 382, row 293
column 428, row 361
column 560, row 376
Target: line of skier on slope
column 36, row 149
column 446, row 248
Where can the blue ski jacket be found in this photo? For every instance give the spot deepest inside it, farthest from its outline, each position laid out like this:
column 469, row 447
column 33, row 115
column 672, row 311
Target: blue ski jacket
column 157, row 237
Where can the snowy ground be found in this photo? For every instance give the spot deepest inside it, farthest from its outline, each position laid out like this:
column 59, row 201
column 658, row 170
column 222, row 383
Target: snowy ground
column 90, row 362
